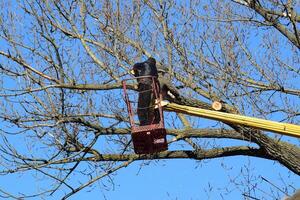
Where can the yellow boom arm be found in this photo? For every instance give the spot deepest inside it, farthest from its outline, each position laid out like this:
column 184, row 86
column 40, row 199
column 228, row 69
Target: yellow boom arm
column 267, row 125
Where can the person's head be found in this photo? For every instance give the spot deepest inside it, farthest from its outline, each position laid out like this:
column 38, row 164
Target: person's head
column 146, row 68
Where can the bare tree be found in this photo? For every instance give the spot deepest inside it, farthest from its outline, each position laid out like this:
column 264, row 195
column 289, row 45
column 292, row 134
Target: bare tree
column 62, row 63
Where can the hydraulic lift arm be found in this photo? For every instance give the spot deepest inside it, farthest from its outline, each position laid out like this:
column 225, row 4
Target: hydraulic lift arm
column 262, row 124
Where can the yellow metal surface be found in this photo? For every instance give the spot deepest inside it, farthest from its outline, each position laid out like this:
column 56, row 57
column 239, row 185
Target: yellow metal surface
column 131, row 72
column 267, row 125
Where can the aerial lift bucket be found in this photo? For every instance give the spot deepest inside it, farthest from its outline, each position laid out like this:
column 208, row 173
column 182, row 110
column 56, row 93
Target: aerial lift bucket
column 149, row 138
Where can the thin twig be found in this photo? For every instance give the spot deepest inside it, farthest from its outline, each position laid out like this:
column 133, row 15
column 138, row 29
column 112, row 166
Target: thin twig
column 125, row 164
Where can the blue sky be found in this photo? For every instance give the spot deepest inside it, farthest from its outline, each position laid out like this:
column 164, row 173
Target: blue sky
column 175, row 179
column 188, row 179
column 168, row 179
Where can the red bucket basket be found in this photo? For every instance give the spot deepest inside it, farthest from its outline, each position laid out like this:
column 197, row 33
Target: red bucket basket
column 149, row 138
